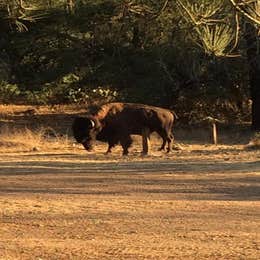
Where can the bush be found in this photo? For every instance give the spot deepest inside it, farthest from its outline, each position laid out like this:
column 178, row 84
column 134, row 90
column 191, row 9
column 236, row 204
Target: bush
column 8, row 92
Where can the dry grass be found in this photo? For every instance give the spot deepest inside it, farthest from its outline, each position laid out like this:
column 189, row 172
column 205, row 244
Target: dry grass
column 28, row 140
column 254, row 142
column 44, row 109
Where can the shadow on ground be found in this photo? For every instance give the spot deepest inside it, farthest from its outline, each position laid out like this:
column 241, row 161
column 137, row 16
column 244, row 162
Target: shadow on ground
column 75, row 175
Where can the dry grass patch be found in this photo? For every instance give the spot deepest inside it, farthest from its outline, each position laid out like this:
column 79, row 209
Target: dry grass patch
column 43, row 109
column 254, row 142
column 25, row 139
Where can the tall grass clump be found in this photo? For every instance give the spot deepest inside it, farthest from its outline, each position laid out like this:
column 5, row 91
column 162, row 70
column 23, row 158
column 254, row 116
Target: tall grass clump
column 254, row 142
column 43, row 139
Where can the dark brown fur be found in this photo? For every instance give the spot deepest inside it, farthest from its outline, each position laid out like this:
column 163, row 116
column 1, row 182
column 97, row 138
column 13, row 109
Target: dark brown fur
column 116, row 122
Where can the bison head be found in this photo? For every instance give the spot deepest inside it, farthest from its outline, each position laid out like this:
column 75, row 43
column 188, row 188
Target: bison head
column 85, row 131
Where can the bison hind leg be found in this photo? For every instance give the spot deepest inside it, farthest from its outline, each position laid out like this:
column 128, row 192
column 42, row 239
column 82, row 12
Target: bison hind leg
column 167, row 138
column 162, row 148
column 170, row 139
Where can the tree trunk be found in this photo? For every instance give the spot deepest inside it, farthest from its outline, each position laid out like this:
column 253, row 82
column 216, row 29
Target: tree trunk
column 137, row 39
column 253, row 57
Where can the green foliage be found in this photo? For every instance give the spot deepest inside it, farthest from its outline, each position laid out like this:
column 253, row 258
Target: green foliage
column 167, row 53
column 8, row 92
column 67, row 90
column 213, row 22
column 216, row 39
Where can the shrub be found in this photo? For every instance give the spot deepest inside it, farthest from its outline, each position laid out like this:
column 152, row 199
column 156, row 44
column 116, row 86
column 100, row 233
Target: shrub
column 8, row 92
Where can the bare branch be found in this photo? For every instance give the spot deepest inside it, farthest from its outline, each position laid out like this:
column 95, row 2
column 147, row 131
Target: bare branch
column 216, row 35
column 236, row 33
column 243, row 8
column 161, row 10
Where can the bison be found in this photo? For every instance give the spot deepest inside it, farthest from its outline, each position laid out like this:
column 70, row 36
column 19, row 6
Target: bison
column 114, row 123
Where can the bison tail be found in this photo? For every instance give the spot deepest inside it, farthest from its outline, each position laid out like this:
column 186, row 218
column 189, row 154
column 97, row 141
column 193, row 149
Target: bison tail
column 174, row 114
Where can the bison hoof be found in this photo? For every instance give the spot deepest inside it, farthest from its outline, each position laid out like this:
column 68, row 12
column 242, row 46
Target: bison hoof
column 161, row 149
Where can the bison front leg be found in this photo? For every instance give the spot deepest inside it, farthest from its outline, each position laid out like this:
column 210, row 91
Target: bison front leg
column 109, row 149
column 126, row 142
column 111, row 144
column 146, row 141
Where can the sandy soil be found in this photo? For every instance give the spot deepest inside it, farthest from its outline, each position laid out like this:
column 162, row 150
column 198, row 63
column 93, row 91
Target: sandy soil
column 198, row 203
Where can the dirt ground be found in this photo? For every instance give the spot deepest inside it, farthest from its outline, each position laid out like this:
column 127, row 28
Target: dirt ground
column 201, row 202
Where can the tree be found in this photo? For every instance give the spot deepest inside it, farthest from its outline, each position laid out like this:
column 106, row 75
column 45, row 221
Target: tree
column 217, row 28
column 251, row 11
column 183, row 54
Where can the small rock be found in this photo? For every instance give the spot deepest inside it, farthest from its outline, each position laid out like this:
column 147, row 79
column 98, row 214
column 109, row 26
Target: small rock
column 35, row 149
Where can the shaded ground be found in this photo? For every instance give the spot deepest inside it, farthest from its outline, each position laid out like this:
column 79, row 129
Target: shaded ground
column 199, row 203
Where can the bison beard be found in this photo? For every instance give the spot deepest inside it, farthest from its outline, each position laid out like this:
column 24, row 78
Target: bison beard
column 114, row 123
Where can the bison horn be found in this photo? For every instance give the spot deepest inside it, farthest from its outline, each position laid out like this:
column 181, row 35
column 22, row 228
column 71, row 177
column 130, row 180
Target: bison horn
column 92, row 123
